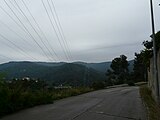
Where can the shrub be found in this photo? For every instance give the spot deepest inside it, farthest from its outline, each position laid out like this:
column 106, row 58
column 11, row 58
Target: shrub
column 98, row 85
column 131, row 83
column 13, row 97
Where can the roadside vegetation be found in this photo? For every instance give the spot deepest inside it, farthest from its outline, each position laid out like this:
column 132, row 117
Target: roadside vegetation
column 142, row 66
column 24, row 93
column 153, row 108
column 121, row 73
column 20, row 94
column 119, row 70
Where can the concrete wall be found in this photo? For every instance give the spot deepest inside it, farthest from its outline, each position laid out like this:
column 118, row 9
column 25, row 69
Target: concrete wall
column 158, row 63
column 151, row 82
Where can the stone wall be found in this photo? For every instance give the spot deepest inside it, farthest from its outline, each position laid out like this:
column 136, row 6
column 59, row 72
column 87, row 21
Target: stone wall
column 151, row 81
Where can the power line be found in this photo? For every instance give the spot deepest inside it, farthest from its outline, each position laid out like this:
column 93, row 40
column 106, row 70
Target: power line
column 40, row 30
column 55, row 30
column 26, row 29
column 15, row 7
column 59, row 28
column 14, row 22
column 18, row 34
column 20, row 49
column 33, row 28
column 12, row 19
column 5, row 57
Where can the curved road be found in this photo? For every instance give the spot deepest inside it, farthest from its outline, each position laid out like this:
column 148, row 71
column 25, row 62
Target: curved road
column 110, row 104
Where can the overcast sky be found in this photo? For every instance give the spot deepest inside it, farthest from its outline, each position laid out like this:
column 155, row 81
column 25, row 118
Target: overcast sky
column 94, row 30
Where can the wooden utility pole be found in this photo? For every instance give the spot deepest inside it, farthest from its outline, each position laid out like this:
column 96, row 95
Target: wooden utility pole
column 154, row 54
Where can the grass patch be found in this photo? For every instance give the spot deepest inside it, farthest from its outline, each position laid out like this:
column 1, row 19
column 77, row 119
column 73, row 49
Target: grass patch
column 22, row 94
column 64, row 93
column 153, row 107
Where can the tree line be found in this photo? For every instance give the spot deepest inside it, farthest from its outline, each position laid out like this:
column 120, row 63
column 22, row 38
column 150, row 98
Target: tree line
column 119, row 73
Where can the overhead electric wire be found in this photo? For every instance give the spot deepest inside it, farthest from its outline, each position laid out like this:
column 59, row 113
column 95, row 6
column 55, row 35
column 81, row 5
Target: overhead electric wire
column 55, row 30
column 60, row 27
column 60, row 30
column 26, row 29
column 14, row 22
column 15, row 6
column 19, row 48
column 40, row 30
column 57, row 23
column 33, row 29
column 12, row 19
column 5, row 57
column 18, row 34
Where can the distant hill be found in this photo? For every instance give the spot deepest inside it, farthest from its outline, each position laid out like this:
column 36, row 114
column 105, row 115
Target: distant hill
column 57, row 73
column 101, row 67
column 104, row 66
column 131, row 64
column 76, row 73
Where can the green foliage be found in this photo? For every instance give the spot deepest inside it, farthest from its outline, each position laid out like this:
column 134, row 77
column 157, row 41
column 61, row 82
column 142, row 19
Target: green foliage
column 110, row 78
column 63, row 93
column 66, row 74
column 140, row 67
column 131, row 83
column 120, row 65
column 98, row 85
column 158, row 39
column 145, row 56
column 20, row 94
column 17, row 95
column 142, row 59
column 119, row 73
column 4, row 99
column 147, row 53
column 149, row 44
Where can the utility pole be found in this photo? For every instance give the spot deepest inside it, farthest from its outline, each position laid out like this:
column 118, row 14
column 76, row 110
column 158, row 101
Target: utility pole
column 154, row 54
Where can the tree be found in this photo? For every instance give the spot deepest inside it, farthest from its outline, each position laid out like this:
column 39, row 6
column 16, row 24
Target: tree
column 139, row 69
column 110, row 78
column 119, row 70
column 149, row 44
column 120, row 64
column 98, row 85
column 142, row 59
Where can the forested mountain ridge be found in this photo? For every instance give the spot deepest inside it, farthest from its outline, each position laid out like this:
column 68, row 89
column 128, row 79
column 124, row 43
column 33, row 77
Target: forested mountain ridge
column 76, row 73
column 58, row 73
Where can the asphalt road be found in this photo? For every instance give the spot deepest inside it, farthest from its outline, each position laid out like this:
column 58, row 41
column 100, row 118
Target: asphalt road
column 111, row 104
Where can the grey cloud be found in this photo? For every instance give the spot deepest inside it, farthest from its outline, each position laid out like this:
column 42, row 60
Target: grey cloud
column 95, row 30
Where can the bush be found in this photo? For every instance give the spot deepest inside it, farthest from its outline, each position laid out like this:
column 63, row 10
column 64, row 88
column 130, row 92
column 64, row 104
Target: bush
column 98, row 85
column 4, row 100
column 63, row 93
column 131, row 83
column 13, row 97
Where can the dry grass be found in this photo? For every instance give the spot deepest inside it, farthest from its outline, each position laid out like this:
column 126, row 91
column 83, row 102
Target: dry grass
column 153, row 107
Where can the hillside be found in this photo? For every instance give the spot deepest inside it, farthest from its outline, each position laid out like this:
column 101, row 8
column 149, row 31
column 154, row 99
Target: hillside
column 101, row 67
column 57, row 73
column 77, row 73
